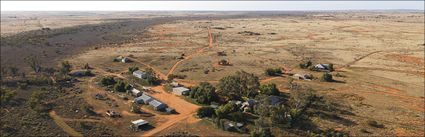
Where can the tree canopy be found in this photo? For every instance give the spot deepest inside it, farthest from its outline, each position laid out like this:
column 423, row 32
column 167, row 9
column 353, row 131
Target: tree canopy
column 204, row 93
column 242, row 84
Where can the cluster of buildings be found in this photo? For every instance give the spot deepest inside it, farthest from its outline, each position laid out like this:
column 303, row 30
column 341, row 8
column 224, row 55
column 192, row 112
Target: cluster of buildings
column 143, row 98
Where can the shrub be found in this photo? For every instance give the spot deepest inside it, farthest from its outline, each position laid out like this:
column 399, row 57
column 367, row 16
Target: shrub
column 269, row 89
column 106, row 81
column 205, row 112
column 262, row 132
column 326, row 77
column 237, row 116
column 373, row 123
column 340, row 75
column 6, row 95
column 35, row 101
column 88, row 110
column 65, row 67
column 132, row 69
column 120, row 86
column 273, row 71
column 39, row 80
column 135, row 108
column 331, row 67
column 306, row 64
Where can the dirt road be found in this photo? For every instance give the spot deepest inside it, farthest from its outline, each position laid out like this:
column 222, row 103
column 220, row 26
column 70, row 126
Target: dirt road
column 210, row 45
column 184, row 108
column 61, row 123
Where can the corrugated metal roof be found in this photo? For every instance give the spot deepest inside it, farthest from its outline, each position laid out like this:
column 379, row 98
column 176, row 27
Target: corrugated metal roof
column 139, row 122
column 155, row 103
column 180, row 89
column 145, row 97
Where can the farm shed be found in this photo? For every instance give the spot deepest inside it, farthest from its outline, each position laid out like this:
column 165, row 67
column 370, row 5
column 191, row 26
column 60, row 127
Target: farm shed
column 139, row 74
column 157, row 105
column 322, row 67
column 136, row 92
column 181, row 91
column 138, row 123
column 145, row 99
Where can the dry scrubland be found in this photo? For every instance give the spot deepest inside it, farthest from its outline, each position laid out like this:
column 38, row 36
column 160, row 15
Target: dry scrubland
column 381, row 56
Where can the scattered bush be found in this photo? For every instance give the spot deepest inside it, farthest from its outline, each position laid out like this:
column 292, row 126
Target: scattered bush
column 132, row 69
column 306, row 64
column 88, row 110
column 106, row 81
column 65, row 68
column 326, row 77
column 340, row 75
column 273, row 71
column 6, row 95
column 262, row 132
column 120, row 86
column 373, row 123
column 35, row 102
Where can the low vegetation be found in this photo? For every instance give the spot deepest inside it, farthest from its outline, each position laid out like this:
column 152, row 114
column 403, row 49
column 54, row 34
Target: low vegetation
column 273, row 72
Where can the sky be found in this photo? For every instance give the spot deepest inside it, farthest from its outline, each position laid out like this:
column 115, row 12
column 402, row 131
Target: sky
column 206, row 5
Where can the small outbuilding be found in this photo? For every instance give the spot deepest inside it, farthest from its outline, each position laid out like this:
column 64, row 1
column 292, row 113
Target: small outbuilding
column 135, row 92
column 181, row 91
column 138, row 123
column 322, row 67
column 140, row 74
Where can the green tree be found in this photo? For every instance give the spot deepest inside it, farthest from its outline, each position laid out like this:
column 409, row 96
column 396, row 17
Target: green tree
column 34, row 63
column 242, row 84
column 204, row 93
column 273, row 71
column 224, row 110
column 132, row 69
column 151, row 77
column 269, row 89
column 107, row 81
column 65, row 67
column 119, row 86
column 326, row 77
column 135, row 108
column 306, row 64
column 205, row 112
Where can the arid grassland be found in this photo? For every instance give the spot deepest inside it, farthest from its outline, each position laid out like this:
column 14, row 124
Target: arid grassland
column 372, row 83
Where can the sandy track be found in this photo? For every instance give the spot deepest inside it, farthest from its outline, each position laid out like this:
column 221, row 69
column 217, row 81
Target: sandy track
column 61, row 123
column 210, row 45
